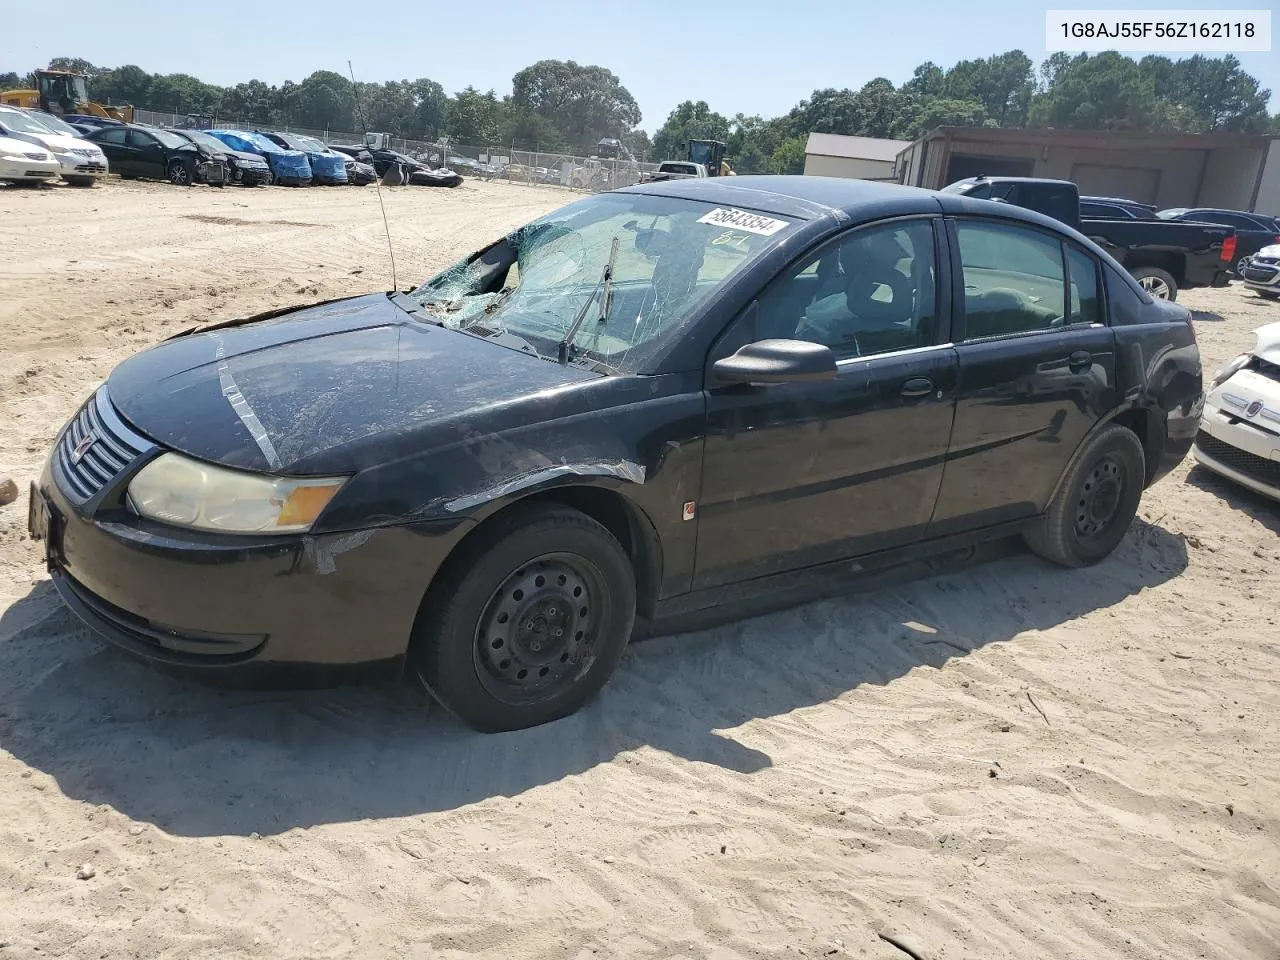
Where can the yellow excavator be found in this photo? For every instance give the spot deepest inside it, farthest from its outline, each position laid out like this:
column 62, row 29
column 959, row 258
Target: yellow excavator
column 63, row 92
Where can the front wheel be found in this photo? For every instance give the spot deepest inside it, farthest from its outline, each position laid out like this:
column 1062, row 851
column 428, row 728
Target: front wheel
column 1268, row 294
column 528, row 622
column 1096, row 503
column 79, row 181
column 180, row 174
column 1159, row 283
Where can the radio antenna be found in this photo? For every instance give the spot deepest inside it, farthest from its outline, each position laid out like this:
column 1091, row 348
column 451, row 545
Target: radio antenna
column 377, row 181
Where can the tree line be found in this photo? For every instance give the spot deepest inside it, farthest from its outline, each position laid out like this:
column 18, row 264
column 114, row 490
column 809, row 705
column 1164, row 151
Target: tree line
column 563, row 106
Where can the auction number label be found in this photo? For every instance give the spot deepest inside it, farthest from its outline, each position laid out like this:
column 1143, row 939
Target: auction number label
column 742, row 220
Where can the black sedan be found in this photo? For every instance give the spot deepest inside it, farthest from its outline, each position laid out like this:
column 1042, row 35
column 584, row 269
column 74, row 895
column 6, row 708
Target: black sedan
column 684, row 391
column 135, row 150
column 246, row 169
column 1253, row 230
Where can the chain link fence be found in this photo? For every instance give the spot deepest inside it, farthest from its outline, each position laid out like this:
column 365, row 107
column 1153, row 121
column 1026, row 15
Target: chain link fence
column 575, row 172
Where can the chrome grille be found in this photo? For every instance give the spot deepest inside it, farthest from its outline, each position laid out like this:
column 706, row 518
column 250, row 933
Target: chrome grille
column 86, row 469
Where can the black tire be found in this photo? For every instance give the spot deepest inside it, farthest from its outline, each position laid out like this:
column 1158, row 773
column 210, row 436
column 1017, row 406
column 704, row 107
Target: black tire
column 1159, row 283
column 1096, row 503
column 180, row 174
column 80, row 181
column 1267, row 294
column 524, row 575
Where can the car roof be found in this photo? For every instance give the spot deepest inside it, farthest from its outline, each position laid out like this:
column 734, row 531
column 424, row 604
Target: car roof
column 802, row 197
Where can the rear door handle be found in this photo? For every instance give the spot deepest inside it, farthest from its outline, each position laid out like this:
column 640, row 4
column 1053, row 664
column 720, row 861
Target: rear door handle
column 1080, row 360
column 917, row 387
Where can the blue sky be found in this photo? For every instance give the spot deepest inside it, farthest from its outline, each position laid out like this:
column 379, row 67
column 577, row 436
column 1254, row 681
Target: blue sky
column 751, row 56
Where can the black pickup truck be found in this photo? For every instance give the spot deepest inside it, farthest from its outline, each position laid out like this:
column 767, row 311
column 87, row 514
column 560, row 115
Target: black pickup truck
column 1163, row 256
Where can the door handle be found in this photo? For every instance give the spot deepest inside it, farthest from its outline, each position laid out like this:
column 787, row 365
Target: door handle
column 1080, row 360
column 917, row 387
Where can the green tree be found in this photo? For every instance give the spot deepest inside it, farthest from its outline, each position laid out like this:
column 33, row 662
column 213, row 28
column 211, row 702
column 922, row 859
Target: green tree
column 927, row 80
column 474, row 118
column 326, row 101
column 1106, row 91
column 73, row 65
column 585, row 103
column 688, row 121
column 789, row 157
column 1220, row 95
column 1003, row 84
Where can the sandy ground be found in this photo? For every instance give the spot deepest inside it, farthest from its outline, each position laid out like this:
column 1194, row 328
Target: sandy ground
column 1009, row 760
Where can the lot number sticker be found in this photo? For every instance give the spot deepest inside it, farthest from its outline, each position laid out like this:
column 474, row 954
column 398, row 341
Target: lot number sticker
column 741, row 220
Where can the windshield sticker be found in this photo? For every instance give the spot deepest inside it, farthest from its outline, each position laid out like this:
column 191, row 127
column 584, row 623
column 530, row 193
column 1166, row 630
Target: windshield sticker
column 741, row 220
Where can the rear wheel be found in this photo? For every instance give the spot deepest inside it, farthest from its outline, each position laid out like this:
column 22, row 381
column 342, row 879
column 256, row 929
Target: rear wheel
column 1159, row 283
column 528, row 622
column 1096, row 503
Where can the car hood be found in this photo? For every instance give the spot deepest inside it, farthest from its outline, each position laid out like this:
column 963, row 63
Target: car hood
column 1268, row 342
column 244, row 156
column 61, row 142
column 14, row 145
column 324, row 389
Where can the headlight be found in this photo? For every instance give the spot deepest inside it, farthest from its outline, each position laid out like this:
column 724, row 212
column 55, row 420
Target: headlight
column 186, row 493
column 1228, row 369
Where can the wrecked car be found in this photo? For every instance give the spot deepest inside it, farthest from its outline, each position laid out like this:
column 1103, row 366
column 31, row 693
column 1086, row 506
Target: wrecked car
column 647, row 402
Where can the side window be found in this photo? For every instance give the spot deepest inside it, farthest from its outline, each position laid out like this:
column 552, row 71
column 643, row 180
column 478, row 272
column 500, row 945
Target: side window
column 1013, row 280
column 869, row 292
column 114, row 136
column 139, row 139
column 1082, row 274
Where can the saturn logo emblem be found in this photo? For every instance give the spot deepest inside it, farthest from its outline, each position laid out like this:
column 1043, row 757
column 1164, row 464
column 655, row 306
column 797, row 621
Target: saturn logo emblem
column 1253, row 409
column 81, row 448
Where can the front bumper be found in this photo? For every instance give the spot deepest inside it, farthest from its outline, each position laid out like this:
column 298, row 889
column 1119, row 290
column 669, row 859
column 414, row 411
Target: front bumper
column 255, row 606
column 25, row 169
column 251, row 175
column 1262, row 274
column 72, row 166
column 1241, row 447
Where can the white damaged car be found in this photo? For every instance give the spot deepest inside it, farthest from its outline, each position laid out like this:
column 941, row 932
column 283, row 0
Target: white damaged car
column 22, row 162
column 1262, row 272
column 80, row 162
column 1239, row 434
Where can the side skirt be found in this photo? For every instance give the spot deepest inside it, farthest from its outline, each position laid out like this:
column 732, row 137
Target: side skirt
column 702, row 608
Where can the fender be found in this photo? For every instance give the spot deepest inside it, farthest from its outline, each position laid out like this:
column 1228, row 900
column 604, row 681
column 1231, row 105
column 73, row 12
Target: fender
column 599, row 489
column 1154, row 441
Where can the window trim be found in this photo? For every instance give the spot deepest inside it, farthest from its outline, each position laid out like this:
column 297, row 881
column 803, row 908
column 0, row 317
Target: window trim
column 942, row 290
column 1099, row 289
column 958, row 318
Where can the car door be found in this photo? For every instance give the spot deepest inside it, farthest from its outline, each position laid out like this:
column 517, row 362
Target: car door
column 112, row 140
column 796, row 474
column 1037, row 369
column 149, row 154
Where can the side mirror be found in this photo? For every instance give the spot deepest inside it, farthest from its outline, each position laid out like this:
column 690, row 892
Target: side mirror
column 777, row 361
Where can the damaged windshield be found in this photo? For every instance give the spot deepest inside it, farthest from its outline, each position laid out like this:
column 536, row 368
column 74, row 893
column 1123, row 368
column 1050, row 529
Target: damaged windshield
column 604, row 280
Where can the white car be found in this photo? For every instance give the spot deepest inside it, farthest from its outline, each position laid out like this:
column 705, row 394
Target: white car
column 22, row 162
column 1239, row 434
column 80, row 162
column 1262, row 272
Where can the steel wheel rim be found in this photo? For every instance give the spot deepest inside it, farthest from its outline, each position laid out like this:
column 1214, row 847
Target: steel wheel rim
column 537, row 633
column 1156, row 287
column 1099, row 499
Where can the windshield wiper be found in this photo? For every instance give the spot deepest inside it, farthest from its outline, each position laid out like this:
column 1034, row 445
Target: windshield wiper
column 605, row 285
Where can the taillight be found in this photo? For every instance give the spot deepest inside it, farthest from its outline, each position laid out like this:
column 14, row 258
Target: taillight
column 1228, row 249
